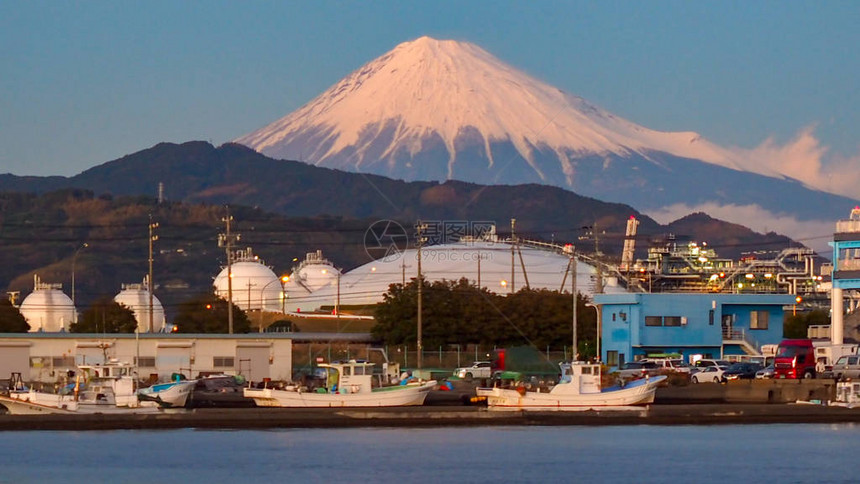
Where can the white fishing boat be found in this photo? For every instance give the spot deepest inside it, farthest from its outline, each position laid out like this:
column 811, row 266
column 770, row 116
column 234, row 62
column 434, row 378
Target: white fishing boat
column 349, row 384
column 847, row 394
column 579, row 389
column 107, row 388
column 172, row 394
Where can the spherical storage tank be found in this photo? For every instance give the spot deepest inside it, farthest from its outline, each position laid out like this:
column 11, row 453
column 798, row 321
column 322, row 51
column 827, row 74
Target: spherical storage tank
column 255, row 286
column 136, row 298
column 315, row 272
column 47, row 308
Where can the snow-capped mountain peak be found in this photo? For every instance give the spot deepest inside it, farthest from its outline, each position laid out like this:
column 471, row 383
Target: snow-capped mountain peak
column 429, row 93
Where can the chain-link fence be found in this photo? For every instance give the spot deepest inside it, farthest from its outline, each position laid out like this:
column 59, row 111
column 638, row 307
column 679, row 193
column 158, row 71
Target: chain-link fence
column 307, row 355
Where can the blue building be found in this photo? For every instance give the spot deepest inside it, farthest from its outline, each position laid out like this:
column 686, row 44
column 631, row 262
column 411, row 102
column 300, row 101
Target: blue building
column 846, row 270
column 712, row 325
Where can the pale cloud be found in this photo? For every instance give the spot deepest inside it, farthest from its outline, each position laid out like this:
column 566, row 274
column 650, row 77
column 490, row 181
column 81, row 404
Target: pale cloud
column 814, row 234
column 804, row 158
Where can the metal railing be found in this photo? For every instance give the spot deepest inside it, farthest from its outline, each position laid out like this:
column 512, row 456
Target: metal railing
column 731, row 334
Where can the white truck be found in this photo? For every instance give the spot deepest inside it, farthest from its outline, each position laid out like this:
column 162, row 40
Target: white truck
column 479, row 369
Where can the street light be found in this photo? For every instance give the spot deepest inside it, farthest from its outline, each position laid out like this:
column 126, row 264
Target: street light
column 282, row 280
column 74, row 261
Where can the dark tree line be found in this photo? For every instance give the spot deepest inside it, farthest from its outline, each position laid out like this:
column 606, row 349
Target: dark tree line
column 11, row 320
column 207, row 313
column 458, row 312
column 105, row 316
column 796, row 325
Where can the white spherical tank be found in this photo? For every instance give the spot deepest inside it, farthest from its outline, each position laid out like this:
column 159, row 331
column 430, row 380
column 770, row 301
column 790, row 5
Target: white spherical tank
column 315, row 272
column 136, row 298
column 255, row 286
column 47, row 308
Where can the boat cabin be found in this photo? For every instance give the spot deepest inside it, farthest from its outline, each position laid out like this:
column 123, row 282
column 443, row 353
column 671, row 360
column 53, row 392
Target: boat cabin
column 112, row 382
column 349, row 377
column 578, row 378
column 848, row 392
column 111, row 370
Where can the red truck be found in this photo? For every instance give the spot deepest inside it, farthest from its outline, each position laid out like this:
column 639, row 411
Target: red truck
column 795, row 358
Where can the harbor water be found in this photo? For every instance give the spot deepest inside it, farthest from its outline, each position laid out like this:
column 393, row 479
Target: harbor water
column 731, row 453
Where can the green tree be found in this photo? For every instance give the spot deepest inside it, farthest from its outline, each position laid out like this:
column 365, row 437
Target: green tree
column 105, row 316
column 795, row 325
column 207, row 313
column 458, row 312
column 11, row 319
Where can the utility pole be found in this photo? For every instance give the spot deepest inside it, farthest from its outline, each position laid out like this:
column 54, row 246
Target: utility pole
column 227, row 240
column 479, row 270
column 420, row 343
column 74, row 260
column 513, row 250
column 149, row 284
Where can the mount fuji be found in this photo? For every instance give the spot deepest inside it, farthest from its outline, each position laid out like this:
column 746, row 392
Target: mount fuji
column 441, row 110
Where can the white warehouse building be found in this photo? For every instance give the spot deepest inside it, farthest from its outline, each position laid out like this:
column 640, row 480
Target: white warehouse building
column 48, row 357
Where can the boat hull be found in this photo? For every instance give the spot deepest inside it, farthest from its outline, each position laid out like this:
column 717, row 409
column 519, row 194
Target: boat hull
column 639, row 392
column 38, row 403
column 398, row 396
column 16, row 406
column 168, row 395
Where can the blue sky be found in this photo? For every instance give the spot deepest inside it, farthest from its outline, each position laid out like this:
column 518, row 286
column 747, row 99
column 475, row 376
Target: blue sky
column 86, row 82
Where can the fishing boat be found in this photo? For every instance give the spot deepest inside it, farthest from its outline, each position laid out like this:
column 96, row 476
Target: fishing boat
column 348, row 384
column 106, row 388
column 847, row 394
column 578, row 389
column 172, row 394
column 21, row 400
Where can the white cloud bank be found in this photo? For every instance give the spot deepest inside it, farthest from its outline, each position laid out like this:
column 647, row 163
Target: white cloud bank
column 803, row 158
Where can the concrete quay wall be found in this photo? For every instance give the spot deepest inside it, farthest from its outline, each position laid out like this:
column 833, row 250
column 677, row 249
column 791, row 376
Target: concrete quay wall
column 750, row 391
column 415, row 417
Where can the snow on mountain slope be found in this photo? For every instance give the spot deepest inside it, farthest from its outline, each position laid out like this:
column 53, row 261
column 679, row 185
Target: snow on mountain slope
column 428, row 92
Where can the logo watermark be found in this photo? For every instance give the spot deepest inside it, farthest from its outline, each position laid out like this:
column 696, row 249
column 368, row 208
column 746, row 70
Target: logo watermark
column 385, row 240
column 436, row 232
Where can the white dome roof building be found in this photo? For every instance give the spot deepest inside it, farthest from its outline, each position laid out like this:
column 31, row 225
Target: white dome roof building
column 136, row 298
column 47, row 308
column 255, row 285
column 486, row 263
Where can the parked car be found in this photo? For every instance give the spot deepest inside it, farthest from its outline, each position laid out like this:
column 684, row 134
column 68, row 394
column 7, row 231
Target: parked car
column 700, row 364
column 708, row 374
column 479, row 369
column 741, row 371
column 638, row 369
column 766, row 372
column 847, row 366
column 673, row 365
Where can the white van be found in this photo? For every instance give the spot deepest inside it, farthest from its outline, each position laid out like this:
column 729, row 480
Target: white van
column 675, row 365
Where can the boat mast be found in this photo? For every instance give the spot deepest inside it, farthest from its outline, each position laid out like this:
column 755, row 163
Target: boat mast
column 419, row 343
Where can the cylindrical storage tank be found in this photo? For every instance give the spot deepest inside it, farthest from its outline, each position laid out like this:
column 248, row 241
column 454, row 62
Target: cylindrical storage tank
column 47, row 308
column 255, row 286
column 136, row 298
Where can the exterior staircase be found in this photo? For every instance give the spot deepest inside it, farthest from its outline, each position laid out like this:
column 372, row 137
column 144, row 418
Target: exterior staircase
column 743, row 339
